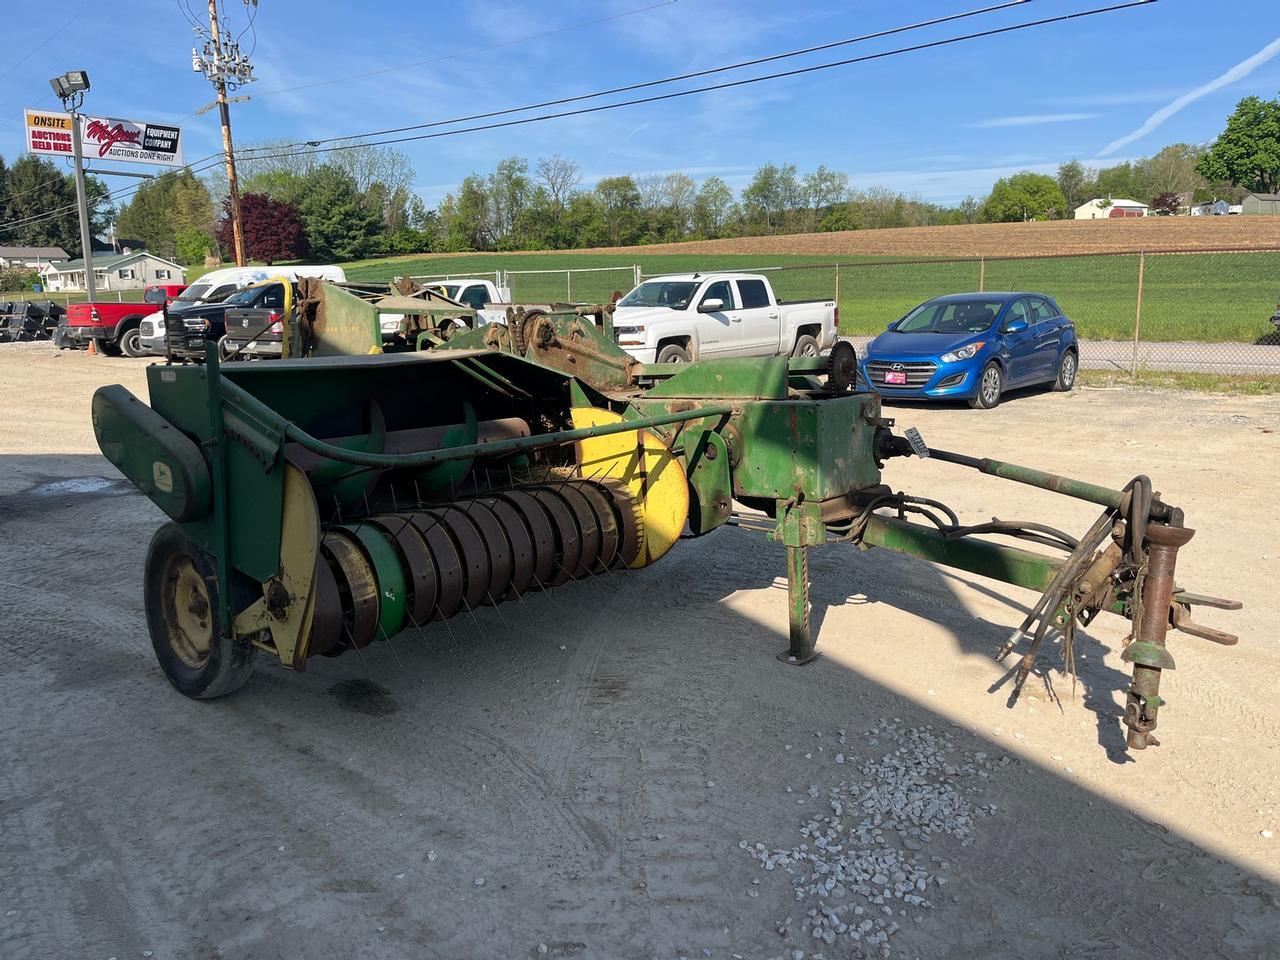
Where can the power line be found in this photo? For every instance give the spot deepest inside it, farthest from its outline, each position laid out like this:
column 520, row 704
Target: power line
column 468, row 53
column 36, row 49
column 661, row 97
column 252, row 153
column 799, row 71
column 685, row 76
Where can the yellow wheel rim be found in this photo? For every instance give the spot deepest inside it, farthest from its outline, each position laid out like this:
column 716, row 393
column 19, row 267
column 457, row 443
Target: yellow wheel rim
column 188, row 614
column 651, row 473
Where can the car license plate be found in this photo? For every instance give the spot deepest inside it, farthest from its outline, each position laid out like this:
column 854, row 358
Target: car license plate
column 195, row 341
column 896, row 376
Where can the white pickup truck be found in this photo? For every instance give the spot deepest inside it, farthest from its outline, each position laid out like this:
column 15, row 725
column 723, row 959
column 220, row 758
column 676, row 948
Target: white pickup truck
column 702, row 316
column 489, row 302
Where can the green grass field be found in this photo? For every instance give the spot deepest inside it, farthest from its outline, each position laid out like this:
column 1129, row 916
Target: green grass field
column 106, row 296
column 1208, row 297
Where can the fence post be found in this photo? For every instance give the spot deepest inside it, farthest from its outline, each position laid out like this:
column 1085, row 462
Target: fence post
column 635, row 268
column 1137, row 317
column 982, row 274
column 568, row 286
column 837, row 291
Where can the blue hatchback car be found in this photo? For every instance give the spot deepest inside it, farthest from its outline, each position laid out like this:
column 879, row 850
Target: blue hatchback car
column 973, row 346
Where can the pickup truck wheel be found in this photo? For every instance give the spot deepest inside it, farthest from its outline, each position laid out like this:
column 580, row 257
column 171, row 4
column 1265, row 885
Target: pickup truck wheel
column 990, row 386
column 806, row 346
column 131, row 342
column 109, row 348
column 673, row 353
column 180, row 594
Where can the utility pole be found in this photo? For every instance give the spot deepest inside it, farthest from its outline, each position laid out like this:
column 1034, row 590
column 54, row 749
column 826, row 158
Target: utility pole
column 70, row 88
column 224, row 65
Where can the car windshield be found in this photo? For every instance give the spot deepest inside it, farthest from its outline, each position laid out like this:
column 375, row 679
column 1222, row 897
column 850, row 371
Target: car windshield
column 246, row 295
column 450, row 290
column 154, row 295
column 661, row 293
column 950, row 316
column 193, row 293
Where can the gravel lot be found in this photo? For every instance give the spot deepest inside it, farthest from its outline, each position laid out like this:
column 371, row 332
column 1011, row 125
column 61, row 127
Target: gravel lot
column 622, row 769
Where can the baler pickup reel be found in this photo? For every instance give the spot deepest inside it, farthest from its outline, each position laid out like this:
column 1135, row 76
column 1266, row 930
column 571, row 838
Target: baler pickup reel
column 323, row 504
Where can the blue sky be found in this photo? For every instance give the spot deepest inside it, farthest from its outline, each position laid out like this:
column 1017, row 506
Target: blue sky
column 942, row 123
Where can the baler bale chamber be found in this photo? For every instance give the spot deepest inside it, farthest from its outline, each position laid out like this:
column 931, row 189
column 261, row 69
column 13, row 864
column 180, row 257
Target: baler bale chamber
column 322, row 504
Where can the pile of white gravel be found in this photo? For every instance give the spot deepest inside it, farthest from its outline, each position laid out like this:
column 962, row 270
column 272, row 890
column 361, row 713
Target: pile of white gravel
column 861, row 872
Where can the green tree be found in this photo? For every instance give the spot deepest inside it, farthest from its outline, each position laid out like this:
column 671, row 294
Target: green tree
column 1073, row 179
column 42, row 199
column 336, row 221
column 1247, row 152
column 163, row 208
column 1172, row 170
column 712, row 207
column 193, row 246
column 822, row 190
column 771, row 196
column 620, row 201
column 1024, row 196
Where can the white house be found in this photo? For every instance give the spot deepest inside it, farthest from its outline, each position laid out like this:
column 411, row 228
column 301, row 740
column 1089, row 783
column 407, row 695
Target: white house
column 30, row 257
column 1106, row 209
column 117, row 271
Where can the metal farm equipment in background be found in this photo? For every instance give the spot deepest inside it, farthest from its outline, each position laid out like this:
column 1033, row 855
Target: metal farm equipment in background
column 325, row 503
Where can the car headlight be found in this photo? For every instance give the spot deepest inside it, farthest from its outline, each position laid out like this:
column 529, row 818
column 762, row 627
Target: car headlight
column 964, row 353
column 628, row 331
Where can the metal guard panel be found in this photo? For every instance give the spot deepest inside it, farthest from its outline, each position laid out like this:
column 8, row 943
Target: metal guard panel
column 748, row 377
column 159, row 459
column 819, row 448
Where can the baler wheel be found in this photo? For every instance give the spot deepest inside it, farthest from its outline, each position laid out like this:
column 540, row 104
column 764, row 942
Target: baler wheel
column 471, row 552
column 357, row 585
column 540, row 530
column 449, row 570
column 496, row 545
column 606, row 519
column 521, row 540
column 326, row 621
column 180, row 594
column 568, row 549
column 421, row 582
column 588, row 527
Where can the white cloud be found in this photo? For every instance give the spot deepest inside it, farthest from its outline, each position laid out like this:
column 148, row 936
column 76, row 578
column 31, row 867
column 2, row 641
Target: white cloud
column 1238, row 72
column 1031, row 120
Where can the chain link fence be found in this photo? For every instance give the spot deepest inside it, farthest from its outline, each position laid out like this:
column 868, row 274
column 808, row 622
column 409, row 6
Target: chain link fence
column 71, row 296
column 1203, row 311
column 581, row 285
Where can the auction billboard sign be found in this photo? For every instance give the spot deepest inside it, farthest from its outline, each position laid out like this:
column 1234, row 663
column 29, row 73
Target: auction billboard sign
column 105, row 138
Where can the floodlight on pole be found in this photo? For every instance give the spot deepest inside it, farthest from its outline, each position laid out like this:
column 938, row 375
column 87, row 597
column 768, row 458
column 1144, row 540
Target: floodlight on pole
column 71, row 88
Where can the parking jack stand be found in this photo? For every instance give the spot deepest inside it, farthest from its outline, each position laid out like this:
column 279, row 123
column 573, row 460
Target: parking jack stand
column 1148, row 652
column 800, row 527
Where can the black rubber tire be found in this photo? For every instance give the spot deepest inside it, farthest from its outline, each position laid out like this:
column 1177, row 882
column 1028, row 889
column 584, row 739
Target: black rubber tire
column 673, row 353
column 108, row 348
column 806, row 346
column 1068, row 368
column 990, row 387
column 228, row 662
column 130, row 343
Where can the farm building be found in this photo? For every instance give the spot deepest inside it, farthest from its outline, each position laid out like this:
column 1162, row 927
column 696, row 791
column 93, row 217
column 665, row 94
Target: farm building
column 1261, row 203
column 125, row 271
column 1105, row 209
column 33, row 257
column 1211, row 208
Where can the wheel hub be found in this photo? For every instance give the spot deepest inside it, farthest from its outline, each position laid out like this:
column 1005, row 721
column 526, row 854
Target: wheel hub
column 187, row 614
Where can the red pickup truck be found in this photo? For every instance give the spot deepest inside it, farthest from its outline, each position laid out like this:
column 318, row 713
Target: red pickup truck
column 115, row 325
